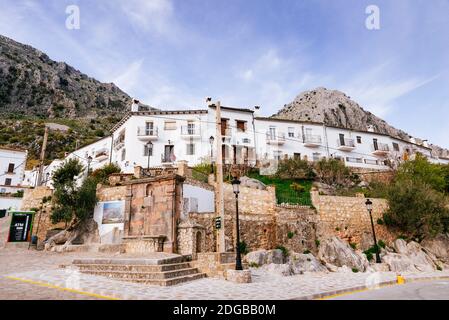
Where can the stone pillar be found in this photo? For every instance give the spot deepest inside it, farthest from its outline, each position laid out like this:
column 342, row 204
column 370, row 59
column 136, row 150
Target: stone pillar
column 182, row 168
column 138, row 172
column 211, row 179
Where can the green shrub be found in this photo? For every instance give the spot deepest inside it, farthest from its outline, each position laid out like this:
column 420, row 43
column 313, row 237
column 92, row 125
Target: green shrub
column 439, row 268
column 317, row 243
column 284, row 250
column 369, row 255
column 306, row 252
column 294, row 169
column 333, row 172
column 355, row 270
column 253, row 265
column 243, row 247
column 380, row 221
column 353, row 245
column 297, row 187
column 290, row 235
column 381, row 244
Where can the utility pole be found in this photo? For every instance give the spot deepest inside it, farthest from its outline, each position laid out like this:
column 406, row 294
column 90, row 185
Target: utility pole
column 221, row 245
column 41, row 166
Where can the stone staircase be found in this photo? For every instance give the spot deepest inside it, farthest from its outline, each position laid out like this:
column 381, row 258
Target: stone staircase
column 163, row 272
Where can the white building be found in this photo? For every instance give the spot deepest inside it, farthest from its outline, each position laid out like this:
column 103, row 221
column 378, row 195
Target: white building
column 161, row 138
column 12, row 168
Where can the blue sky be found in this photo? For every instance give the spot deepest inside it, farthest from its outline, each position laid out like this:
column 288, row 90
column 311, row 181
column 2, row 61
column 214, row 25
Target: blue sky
column 174, row 53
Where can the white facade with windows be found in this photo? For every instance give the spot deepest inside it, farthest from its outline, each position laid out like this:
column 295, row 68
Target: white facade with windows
column 12, row 169
column 161, row 138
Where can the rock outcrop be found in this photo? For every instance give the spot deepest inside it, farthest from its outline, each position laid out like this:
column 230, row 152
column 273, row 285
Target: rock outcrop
column 252, row 183
column 301, row 263
column 337, row 252
column 262, row 257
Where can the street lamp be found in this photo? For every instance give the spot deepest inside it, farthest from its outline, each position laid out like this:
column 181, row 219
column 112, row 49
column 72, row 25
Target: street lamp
column 235, row 186
column 89, row 160
column 211, row 141
column 150, row 151
column 369, row 207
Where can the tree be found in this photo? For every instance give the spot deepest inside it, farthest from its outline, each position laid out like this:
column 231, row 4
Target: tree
column 333, row 172
column 294, row 169
column 102, row 175
column 72, row 203
column 421, row 170
column 416, row 208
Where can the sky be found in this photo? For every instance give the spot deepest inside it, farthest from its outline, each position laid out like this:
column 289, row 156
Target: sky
column 172, row 54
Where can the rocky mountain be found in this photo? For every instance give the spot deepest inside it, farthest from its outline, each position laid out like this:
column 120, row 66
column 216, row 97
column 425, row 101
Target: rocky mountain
column 36, row 91
column 31, row 84
column 334, row 108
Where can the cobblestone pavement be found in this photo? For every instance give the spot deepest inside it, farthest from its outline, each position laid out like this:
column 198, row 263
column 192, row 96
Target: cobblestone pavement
column 43, row 268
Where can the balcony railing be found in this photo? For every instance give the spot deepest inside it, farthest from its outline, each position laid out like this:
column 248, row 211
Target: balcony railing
column 277, row 138
column 190, row 131
column 147, row 132
column 119, row 142
column 346, row 143
column 166, row 158
column 312, row 139
column 383, row 147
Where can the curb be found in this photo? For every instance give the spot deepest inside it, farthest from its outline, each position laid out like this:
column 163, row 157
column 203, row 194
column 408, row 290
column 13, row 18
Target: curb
column 347, row 291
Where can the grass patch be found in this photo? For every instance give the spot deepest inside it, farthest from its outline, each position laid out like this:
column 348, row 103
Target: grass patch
column 289, row 191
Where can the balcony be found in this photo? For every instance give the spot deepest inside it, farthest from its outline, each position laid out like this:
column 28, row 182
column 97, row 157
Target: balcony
column 345, row 144
column 147, row 133
column 380, row 149
column 190, row 132
column 275, row 139
column 166, row 158
column 119, row 143
column 102, row 155
column 312, row 141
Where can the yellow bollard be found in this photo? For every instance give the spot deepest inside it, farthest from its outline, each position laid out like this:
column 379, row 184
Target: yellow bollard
column 400, row 279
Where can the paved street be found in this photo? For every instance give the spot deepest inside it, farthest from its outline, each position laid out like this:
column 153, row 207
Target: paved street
column 36, row 275
column 420, row 290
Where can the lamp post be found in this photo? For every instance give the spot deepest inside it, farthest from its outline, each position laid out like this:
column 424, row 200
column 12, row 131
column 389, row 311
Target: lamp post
column 89, row 160
column 211, row 141
column 150, row 151
column 235, row 186
column 369, row 206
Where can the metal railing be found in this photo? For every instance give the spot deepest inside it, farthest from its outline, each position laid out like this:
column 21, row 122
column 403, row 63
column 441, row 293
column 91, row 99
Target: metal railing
column 275, row 136
column 380, row 147
column 190, row 131
column 147, row 132
column 310, row 138
column 346, row 143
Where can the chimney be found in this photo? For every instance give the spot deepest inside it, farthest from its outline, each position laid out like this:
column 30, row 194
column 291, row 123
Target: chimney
column 257, row 111
column 135, row 105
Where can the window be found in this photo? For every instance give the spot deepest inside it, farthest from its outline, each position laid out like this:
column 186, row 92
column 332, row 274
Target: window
column 395, row 146
column 291, row 132
column 297, row 156
column 359, row 139
column 316, row 156
column 170, row 125
column 11, row 168
column 8, row 181
column 354, row 160
column 272, row 133
column 123, row 154
column 241, row 125
column 147, row 151
column 190, row 149
column 191, row 128
column 277, row 155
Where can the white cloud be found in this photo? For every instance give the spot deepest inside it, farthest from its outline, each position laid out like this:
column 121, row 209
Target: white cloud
column 150, row 16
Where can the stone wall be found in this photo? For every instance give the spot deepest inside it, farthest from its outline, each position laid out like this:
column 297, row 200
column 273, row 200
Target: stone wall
column 251, row 201
column 107, row 193
column 348, row 218
column 370, row 175
column 32, row 199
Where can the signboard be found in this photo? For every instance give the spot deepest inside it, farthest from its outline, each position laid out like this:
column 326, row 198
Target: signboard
column 113, row 212
column 21, row 227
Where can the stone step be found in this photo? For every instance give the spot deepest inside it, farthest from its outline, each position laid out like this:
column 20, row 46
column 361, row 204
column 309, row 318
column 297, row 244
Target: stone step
column 129, row 275
column 132, row 261
column 172, row 281
column 133, row 267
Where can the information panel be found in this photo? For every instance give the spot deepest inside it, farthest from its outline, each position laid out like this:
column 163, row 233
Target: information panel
column 21, row 227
